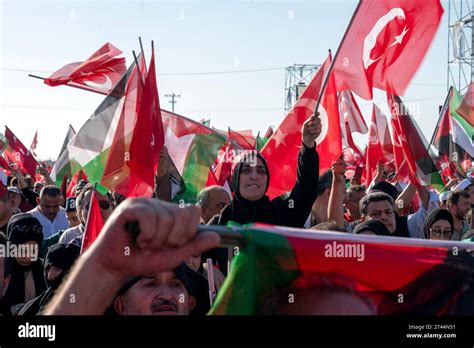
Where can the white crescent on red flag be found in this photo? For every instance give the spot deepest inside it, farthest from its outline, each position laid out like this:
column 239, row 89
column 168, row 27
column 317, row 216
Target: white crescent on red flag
column 385, row 44
column 281, row 150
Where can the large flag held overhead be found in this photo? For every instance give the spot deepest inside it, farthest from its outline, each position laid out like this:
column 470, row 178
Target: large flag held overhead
column 99, row 73
column 17, row 153
column 379, row 146
column 441, row 145
column 193, row 149
column 108, row 130
column 385, row 44
column 147, row 140
column 414, row 146
column 274, row 262
column 64, row 165
column 281, row 151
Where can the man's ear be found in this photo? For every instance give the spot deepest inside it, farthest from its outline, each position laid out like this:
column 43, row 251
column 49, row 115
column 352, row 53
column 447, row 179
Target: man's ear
column 118, row 305
column 191, row 302
column 38, row 200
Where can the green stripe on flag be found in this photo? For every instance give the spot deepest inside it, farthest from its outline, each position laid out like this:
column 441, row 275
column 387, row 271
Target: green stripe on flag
column 266, row 262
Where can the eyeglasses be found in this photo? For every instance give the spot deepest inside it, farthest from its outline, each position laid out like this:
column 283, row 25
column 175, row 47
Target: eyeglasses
column 437, row 233
column 104, row 205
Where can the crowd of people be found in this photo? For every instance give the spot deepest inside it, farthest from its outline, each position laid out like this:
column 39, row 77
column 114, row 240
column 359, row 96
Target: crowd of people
column 169, row 268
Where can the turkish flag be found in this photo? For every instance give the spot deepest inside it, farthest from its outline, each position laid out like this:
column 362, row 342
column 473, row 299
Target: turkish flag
column 94, row 223
column 379, row 142
column 281, row 150
column 99, row 73
column 147, row 140
column 385, row 44
column 19, row 154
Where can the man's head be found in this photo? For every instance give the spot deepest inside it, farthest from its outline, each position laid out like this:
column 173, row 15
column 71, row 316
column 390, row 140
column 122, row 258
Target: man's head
column 250, row 176
column 29, row 182
column 379, row 206
column 318, row 294
column 83, row 204
column 49, row 201
column 22, row 229
column 15, row 197
column 71, row 212
column 324, row 191
column 59, row 260
column 5, row 266
column 458, row 204
column 354, row 195
column 468, row 186
column 211, row 201
column 175, row 292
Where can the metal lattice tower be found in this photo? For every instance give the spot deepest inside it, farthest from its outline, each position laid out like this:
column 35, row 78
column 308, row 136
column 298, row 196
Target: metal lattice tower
column 460, row 44
column 297, row 77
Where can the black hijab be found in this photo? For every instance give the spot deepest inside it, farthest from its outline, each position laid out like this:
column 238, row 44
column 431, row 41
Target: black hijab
column 435, row 215
column 21, row 229
column 242, row 210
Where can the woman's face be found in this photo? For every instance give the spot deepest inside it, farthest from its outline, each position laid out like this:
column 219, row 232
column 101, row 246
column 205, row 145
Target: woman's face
column 253, row 180
column 441, row 230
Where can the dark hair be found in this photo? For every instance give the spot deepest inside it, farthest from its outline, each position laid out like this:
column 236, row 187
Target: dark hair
column 455, row 196
column 329, row 226
column 50, row 190
column 80, row 197
column 356, row 188
column 14, row 182
column 7, row 264
column 374, row 197
column 325, row 182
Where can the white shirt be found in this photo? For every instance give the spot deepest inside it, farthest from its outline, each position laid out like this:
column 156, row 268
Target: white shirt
column 416, row 220
column 49, row 228
column 70, row 234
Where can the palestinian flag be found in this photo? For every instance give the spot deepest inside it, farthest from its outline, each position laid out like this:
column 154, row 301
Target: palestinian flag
column 101, row 144
column 393, row 275
column 441, row 144
column 64, row 165
column 261, row 141
column 462, row 130
column 414, row 146
column 193, row 148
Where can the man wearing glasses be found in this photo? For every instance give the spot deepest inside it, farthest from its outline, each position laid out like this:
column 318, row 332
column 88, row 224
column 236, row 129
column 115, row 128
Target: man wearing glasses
column 74, row 234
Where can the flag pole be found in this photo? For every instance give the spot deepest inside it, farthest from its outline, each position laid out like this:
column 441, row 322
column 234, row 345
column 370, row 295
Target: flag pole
column 210, row 280
column 228, row 236
column 441, row 114
column 326, row 79
column 76, row 86
column 143, row 52
column 138, row 68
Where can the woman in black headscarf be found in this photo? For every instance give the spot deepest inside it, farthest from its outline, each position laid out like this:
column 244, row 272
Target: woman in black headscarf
column 58, row 261
column 250, row 179
column 27, row 273
column 439, row 225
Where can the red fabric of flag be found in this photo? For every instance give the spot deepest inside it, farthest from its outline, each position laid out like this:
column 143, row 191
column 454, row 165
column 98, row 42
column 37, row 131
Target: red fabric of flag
column 281, row 150
column 19, row 154
column 385, row 45
column 98, row 73
column 94, row 223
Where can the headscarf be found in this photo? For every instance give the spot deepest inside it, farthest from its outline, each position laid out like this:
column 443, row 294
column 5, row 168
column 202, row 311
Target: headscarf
column 242, row 210
column 435, row 215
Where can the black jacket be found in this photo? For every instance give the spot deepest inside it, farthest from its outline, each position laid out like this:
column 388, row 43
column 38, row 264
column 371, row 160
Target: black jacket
column 292, row 211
